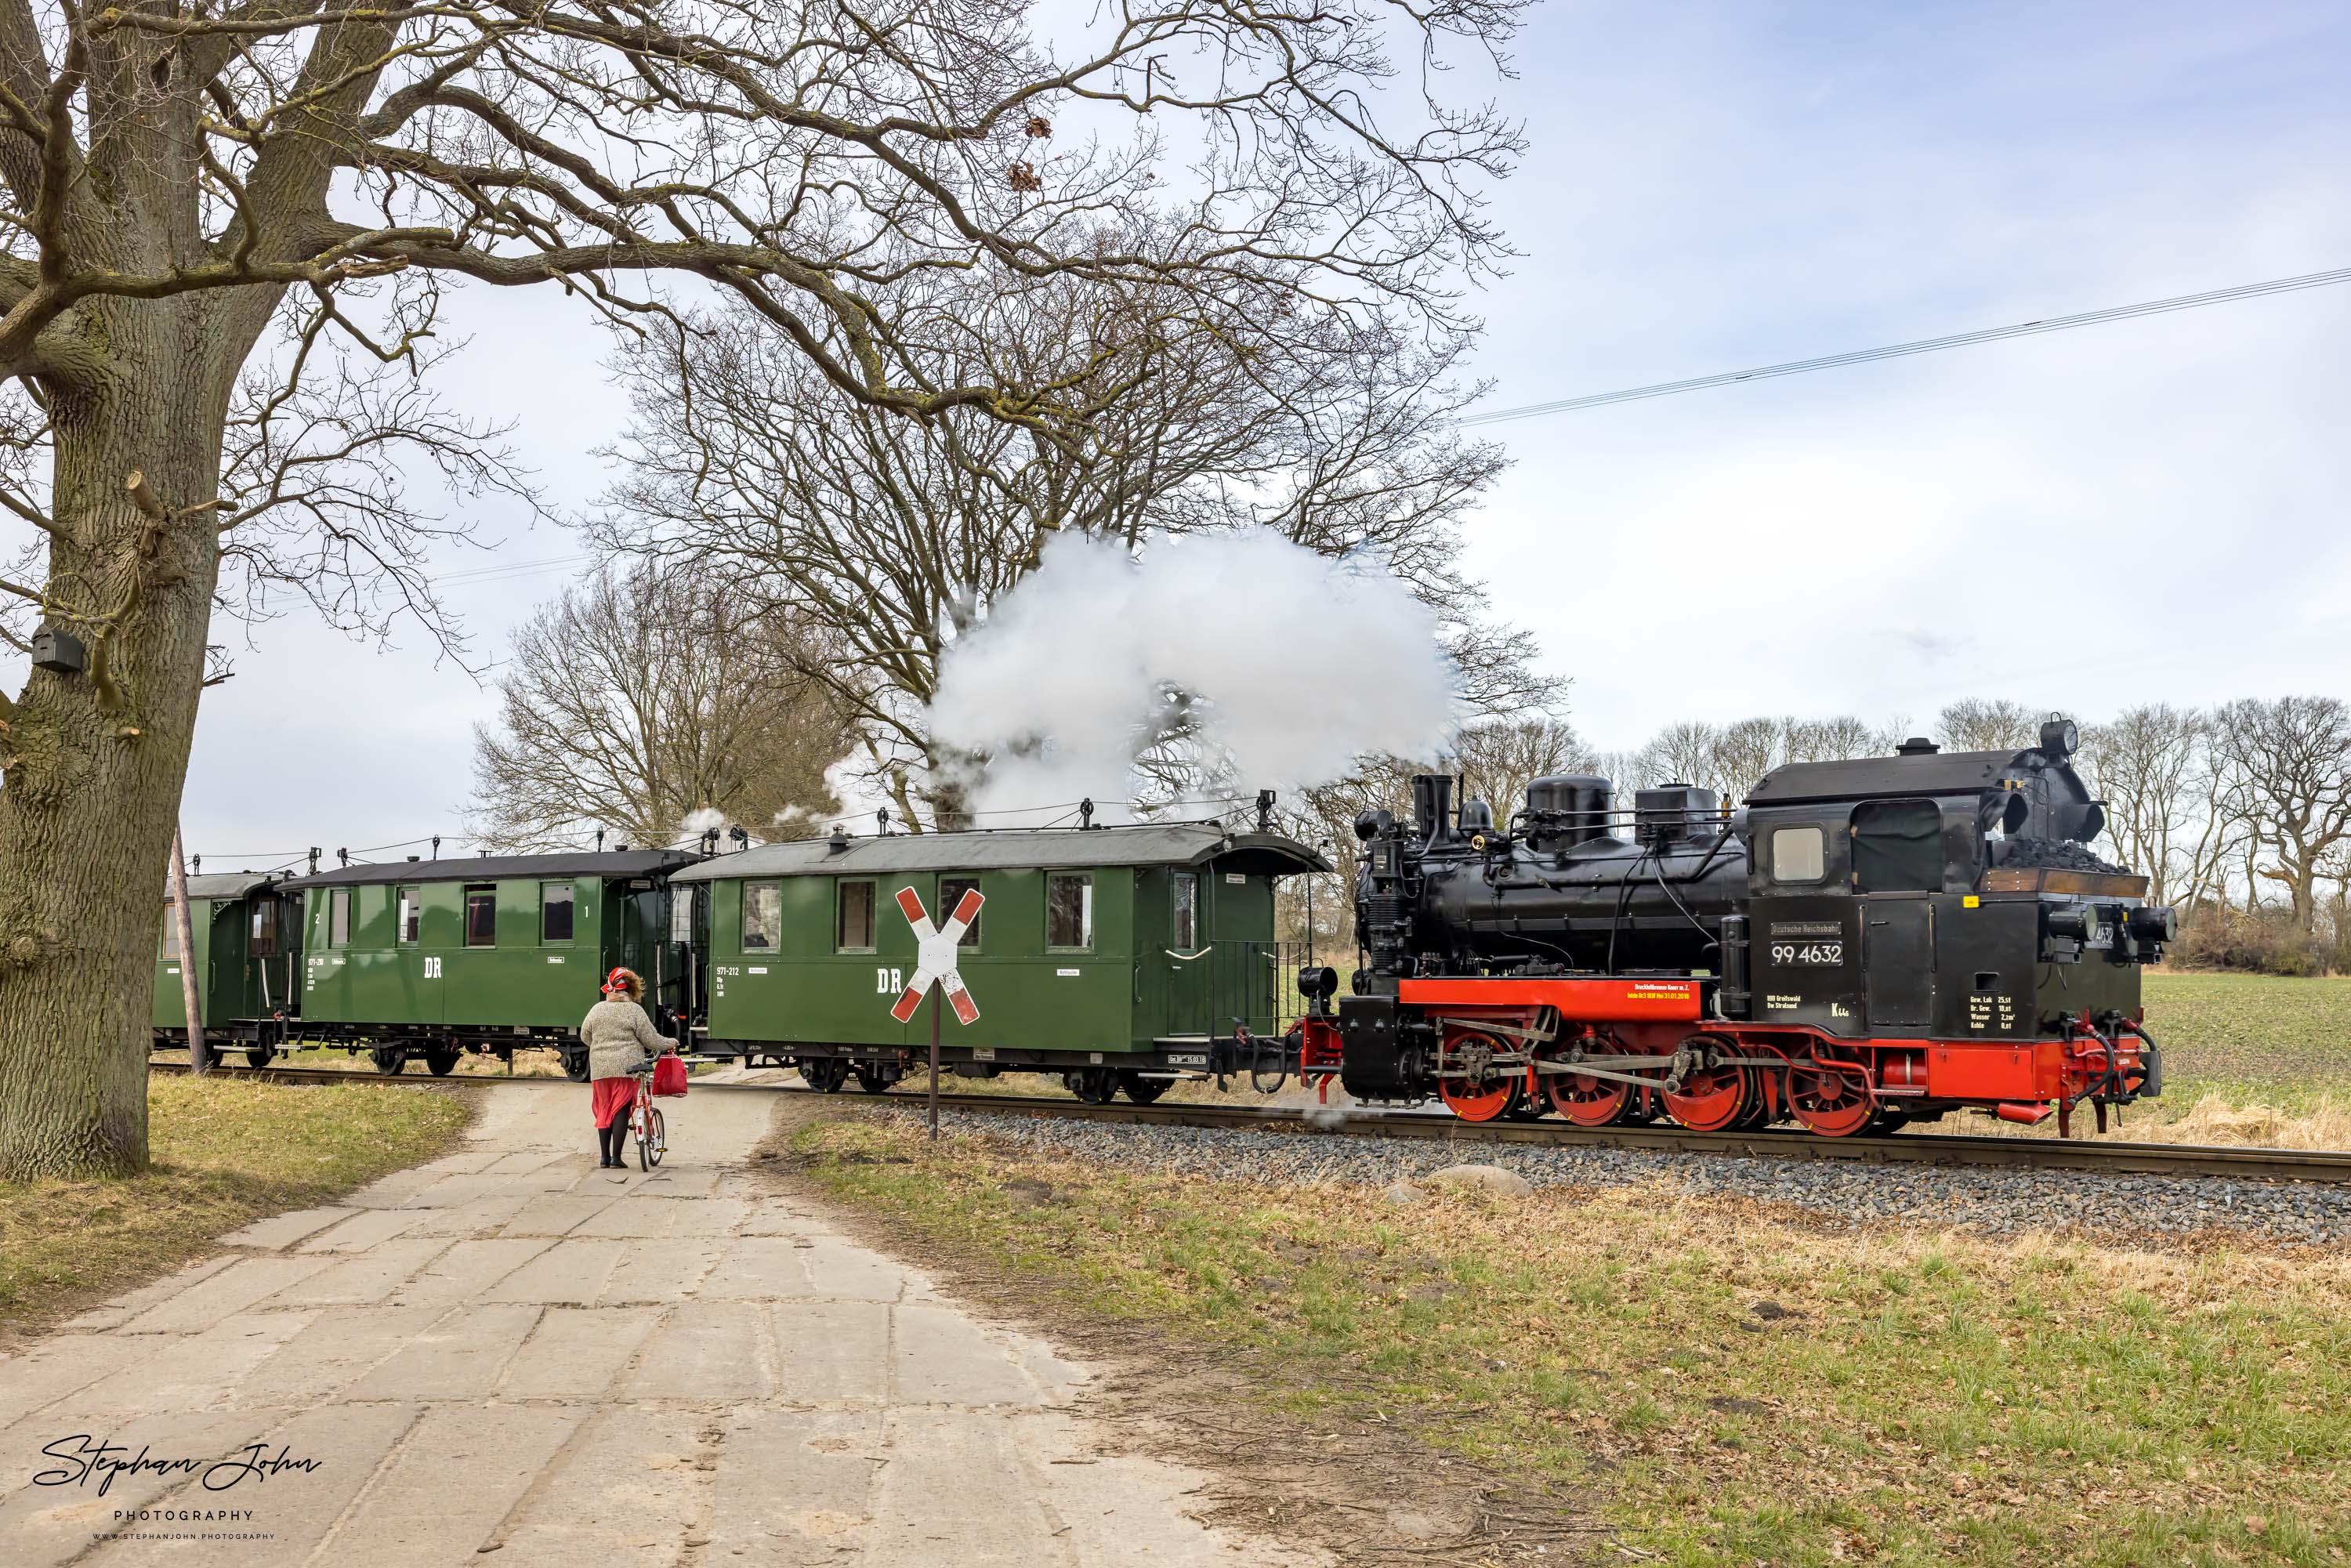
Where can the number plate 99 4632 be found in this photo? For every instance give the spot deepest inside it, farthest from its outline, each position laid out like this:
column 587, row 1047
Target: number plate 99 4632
column 1808, row 955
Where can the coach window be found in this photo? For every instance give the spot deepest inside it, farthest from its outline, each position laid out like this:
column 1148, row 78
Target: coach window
column 1799, row 854
column 852, row 926
column 555, row 912
column 1898, row 847
column 481, row 917
column 171, row 933
column 763, row 916
column 339, row 918
column 1069, row 912
column 410, row 905
column 951, row 892
column 1187, row 926
column 265, row 929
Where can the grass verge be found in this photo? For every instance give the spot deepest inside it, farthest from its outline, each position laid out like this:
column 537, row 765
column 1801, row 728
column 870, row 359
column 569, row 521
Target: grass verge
column 2251, row 1038
column 225, row 1153
column 1719, row 1382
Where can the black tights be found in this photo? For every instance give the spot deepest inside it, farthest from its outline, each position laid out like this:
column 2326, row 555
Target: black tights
column 612, row 1141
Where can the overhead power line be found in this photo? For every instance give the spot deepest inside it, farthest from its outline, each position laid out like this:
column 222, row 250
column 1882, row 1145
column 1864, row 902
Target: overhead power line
column 1924, row 346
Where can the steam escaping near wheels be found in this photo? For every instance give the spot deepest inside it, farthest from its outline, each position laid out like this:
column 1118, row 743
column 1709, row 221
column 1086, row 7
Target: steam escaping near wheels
column 1325, row 1118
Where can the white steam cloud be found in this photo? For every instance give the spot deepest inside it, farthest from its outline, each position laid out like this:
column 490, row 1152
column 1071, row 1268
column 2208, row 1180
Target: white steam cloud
column 1287, row 665
column 709, row 818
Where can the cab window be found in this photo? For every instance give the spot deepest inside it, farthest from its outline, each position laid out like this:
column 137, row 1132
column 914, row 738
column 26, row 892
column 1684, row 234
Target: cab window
column 1799, row 854
column 410, row 914
column 339, row 918
column 1898, row 847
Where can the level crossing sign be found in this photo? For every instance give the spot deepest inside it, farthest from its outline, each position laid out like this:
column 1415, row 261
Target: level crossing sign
column 935, row 955
column 935, row 961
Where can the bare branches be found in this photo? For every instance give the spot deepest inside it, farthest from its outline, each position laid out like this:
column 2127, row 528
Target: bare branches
column 323, row 451
column 637, row 701
column 801, row 154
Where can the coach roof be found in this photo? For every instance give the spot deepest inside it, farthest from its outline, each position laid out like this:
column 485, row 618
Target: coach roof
column 502, row 868
column 1016, row 849
column 221, row 884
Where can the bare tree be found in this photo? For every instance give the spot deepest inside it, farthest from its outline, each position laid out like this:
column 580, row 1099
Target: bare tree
column 1834, row 739
column 1977, row 723
column 2292, row 757
column 1681, row 753
column 2146, row 764
column 637, row 702
column 1742, row 753
column 899, row 535
column 173, row 180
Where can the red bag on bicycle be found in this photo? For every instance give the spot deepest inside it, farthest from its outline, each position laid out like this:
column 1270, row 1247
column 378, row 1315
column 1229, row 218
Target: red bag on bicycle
column 669, row 1076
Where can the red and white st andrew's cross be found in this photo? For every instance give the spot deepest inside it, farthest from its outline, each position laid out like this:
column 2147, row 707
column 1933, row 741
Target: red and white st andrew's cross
column 935, row 955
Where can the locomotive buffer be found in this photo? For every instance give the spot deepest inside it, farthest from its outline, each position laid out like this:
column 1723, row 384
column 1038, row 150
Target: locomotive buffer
column 934, row 960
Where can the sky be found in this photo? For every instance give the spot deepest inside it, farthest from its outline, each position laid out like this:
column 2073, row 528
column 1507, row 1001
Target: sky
column 2153, row 510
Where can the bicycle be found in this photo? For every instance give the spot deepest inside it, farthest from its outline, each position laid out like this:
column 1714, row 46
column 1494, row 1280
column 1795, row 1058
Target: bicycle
column 645, row 1124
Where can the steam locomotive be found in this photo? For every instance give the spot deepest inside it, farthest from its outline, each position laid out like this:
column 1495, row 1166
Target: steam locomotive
column 1864, row 944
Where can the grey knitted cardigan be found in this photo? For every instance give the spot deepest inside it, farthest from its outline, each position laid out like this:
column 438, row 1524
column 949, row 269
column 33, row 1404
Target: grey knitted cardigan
column 619, row 1038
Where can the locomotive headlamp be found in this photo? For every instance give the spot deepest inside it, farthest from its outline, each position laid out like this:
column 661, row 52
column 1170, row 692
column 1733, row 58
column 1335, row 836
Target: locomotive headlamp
column 1318, row 982
column 2153, row 922
column 2077, row 921
column 2060, row 738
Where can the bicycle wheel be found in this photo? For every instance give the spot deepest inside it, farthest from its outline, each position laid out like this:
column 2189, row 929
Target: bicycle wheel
column 652, row 1140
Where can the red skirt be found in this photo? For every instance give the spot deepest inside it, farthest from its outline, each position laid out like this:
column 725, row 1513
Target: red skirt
column 613, row 1096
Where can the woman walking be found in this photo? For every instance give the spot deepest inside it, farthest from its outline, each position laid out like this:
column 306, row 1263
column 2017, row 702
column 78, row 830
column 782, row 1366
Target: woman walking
column 621, row 1042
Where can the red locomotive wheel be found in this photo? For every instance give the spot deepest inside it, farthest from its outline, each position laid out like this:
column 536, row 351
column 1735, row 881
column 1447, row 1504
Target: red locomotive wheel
column 1587, row 1102
column 1711, row 1098
column 1485, row 1091
column 1834, row 1104
column 1483, row 1101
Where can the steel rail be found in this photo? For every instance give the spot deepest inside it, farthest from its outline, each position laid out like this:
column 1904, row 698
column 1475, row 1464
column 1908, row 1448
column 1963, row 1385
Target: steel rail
column 1904, row 1148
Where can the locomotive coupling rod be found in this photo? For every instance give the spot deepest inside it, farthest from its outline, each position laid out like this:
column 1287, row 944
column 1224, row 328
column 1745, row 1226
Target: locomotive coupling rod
column 1495, row 1026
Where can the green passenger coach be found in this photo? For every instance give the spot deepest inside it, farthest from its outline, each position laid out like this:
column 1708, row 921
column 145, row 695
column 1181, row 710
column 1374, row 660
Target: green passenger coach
column 436, row 957
column 248, row 942
column 1118, row 957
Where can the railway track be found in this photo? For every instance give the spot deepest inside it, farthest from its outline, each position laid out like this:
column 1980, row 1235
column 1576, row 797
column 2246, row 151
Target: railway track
column 1905, row 1148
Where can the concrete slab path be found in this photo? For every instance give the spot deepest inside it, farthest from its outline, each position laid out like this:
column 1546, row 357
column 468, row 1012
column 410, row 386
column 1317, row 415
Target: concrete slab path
column 510, row 1351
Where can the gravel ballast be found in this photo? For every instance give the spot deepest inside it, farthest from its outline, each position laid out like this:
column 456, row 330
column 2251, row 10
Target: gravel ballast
column 2125, row 1207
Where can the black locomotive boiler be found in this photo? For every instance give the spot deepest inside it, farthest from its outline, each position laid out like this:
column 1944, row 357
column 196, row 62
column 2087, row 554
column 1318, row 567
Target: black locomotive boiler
column 1864, row 944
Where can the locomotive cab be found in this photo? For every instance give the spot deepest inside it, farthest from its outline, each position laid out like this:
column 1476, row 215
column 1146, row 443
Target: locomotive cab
column 1942, row 894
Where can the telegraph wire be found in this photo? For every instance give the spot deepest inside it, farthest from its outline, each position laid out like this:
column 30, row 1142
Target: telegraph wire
column 1922, row 346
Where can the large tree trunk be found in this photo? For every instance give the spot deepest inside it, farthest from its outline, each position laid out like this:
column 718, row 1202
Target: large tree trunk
column 95, row 762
